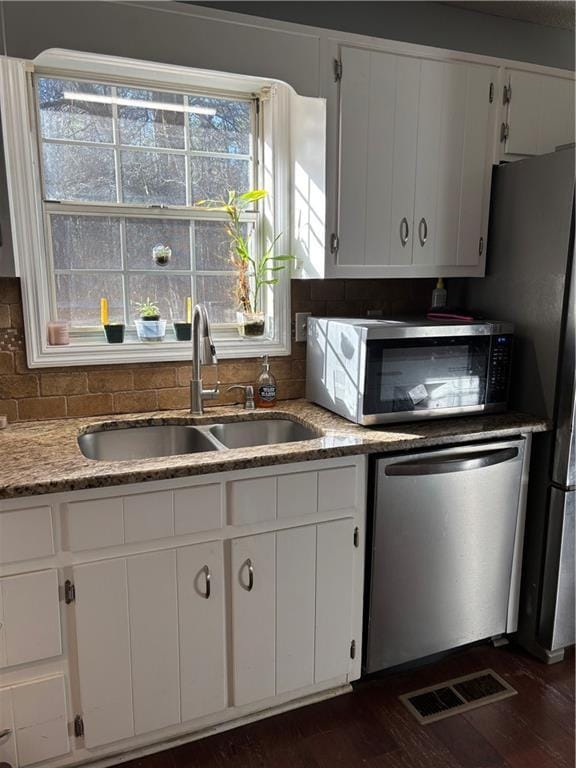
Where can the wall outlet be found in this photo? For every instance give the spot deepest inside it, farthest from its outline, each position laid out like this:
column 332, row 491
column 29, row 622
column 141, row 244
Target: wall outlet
column 301, row 325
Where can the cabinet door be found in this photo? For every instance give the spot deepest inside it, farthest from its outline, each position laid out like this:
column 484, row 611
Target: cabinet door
column 35, row 715
column 253, row 590
column 292, row 619
column 455, row 119
column 295, row 608
column 540, row 113
column 377, row 162
column 103, row 637
column 201, row 606
column 153, row 611
column 334, row 561
column 29, row 618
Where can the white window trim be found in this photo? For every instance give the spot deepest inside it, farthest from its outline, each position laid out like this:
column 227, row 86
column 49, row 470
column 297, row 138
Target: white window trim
column 23, row 177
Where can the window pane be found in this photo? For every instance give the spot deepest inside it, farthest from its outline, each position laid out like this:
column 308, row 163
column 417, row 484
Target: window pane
column 227, row 130
column 212, row 245
column 151, row 127
column 79, row 173
column 169, row 292
column 86, row 242
column 78, row 118
column 212, row 177
column 217, row 292
column 78, row 297
column 143, row 234
column 153, row 178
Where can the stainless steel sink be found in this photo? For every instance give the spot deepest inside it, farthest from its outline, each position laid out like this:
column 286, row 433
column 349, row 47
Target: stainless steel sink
column 145, row 442
column 148, row 442
column 243, row 434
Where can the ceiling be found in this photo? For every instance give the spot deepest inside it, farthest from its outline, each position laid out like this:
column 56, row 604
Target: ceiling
column 551, row 13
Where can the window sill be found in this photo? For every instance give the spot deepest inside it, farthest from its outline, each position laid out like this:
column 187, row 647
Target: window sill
column 96, row 352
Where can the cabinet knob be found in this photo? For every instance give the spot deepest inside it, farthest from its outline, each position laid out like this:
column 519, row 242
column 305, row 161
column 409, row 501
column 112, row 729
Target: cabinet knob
column 4, row 735
column 423, row 231
column 404, row 231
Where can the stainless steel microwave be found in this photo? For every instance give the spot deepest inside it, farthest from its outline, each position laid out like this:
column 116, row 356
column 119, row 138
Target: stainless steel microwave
column 377, row 371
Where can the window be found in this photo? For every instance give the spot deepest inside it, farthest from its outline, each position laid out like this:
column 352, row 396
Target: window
column 122, row 169
column 105, row 159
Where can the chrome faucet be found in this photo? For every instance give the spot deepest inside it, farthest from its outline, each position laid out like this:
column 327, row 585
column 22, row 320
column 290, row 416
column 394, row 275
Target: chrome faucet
column 203, row 352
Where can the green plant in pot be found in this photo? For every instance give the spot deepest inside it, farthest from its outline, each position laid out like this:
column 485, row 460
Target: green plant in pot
column 149, row 326
column 253, row 271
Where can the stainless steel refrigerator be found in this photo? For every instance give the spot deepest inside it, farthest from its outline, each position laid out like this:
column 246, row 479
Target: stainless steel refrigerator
column 531, row 282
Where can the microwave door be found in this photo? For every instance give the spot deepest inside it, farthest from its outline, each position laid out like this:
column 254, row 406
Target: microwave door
column 418, row 377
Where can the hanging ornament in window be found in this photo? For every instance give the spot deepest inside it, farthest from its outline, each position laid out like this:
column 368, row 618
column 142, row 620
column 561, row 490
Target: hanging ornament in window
column 161, row 254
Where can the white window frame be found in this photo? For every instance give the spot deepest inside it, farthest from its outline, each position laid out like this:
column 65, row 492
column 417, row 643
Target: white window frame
column 17, row 106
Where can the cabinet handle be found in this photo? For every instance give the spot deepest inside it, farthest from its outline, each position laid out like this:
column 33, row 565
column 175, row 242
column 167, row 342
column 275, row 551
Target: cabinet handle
column 423, row 234
column 404, row 231
column 206, row 570
column 249, row 586
column 5, row 733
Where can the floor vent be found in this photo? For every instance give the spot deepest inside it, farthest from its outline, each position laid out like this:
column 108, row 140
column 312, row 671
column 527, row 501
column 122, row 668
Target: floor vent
column 456, row 696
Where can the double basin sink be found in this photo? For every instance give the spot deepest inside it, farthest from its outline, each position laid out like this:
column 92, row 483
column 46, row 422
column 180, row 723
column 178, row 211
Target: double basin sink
column 152, row 441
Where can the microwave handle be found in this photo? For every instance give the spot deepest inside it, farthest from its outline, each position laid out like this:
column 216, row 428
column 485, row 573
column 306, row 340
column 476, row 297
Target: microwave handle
column 431, row 466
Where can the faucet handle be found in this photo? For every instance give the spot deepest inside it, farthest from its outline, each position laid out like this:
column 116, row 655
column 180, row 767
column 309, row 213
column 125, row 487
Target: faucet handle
column 248, row 390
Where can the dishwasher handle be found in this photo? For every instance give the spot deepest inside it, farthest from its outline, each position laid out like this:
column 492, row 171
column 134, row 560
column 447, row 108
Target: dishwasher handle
column 444, row 465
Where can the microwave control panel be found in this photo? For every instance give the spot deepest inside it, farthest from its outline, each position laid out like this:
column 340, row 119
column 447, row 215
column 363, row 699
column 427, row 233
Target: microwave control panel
column 499, row 368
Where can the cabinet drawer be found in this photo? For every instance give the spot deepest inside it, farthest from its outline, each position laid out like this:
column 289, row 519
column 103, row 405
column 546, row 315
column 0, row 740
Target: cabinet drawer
column 35, row 714
column 252, row 501
column 197, row 509
column 297, row 494
column 95, row 523
column 29, row 618
column 26, row 534
column 336, row 489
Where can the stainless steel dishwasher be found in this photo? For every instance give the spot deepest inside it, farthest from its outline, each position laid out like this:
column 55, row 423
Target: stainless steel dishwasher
column 447, row 534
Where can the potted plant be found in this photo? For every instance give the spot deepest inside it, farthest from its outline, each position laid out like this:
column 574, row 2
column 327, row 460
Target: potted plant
column 149, row 326
column 253, row 272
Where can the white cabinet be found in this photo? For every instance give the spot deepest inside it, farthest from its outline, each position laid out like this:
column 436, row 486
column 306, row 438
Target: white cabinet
column 29, row 618
column 152, row 631
column 540, row 112
column 253, row 577
column 414, row 156
column 291, row 609
column 150, row 641
column 34, row 714
column 187, row 604
column 201, row 607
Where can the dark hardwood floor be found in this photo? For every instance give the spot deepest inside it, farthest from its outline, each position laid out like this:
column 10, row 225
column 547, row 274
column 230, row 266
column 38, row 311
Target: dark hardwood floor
column 370, row 728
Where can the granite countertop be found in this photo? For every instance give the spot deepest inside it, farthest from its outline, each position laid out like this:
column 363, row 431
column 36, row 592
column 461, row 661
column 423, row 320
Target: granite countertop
column 43, row 457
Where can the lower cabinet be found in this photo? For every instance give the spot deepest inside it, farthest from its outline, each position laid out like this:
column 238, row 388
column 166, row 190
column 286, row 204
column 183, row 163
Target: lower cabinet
column 152, row 629
column 151, row 640
column 33, row 721
column 29, row 618
column 291, row 609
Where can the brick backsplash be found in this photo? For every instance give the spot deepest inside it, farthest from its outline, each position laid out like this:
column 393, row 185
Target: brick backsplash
column 33, row 394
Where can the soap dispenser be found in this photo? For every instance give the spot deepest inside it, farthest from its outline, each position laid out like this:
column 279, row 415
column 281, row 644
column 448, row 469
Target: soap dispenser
column 439, row 295
column 265, row 386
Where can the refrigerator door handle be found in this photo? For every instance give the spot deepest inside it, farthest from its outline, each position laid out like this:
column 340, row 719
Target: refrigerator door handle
column 443, row 465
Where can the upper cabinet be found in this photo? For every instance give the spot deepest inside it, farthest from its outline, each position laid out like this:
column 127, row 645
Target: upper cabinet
column 410, row 165
column 539, row 112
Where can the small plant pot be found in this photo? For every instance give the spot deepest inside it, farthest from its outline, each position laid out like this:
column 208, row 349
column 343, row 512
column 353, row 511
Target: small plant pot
column 114, row 333
column 151, row 330
column 251, row 324
column 183, row 331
